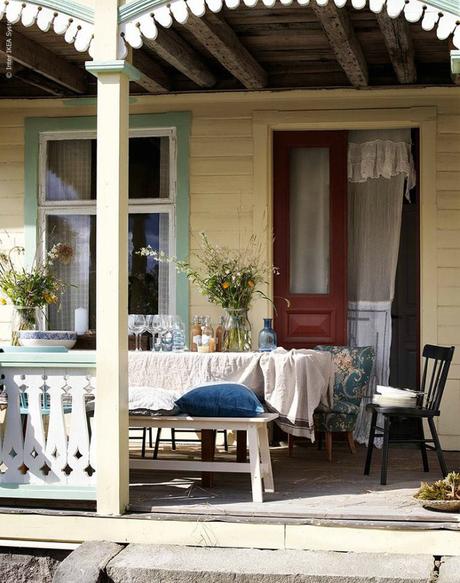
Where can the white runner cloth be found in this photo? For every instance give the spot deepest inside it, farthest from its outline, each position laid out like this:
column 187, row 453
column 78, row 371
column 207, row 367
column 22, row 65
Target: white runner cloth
column 292, row 383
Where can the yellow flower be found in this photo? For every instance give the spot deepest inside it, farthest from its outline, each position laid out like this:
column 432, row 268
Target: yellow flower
column 50, row 298
column 3, row 301
column 225, row 285
column 250, row 283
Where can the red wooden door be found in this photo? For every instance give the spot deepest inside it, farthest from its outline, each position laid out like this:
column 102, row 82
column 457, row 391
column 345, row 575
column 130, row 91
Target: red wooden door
column 310, row 244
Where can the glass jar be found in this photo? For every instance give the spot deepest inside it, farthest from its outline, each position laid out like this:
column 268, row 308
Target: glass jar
column 23, row 318
column 207, row 336
column 195, row 333
column 237, row 331
column 267, row 337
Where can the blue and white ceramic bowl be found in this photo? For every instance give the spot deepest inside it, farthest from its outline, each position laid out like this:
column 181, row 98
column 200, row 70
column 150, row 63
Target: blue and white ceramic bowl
column 47, row 338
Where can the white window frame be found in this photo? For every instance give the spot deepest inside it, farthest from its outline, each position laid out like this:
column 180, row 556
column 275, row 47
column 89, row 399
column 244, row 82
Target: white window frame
column 135, row 206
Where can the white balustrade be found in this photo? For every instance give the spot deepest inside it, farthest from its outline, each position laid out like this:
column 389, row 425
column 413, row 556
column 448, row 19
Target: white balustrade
column 47, row 436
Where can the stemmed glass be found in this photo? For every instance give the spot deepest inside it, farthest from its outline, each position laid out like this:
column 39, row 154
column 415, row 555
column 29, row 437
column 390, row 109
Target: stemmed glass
column 153, row 326
column 137, row 324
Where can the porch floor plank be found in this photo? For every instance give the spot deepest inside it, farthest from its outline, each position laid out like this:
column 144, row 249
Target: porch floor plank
column 307, row 487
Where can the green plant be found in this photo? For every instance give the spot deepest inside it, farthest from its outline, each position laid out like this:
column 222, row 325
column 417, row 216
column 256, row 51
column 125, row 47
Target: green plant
column 229, row 278
column 37, row 286
column 446, row 489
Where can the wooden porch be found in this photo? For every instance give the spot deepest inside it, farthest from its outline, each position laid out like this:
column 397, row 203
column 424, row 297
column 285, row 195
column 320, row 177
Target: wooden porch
column 309, row 490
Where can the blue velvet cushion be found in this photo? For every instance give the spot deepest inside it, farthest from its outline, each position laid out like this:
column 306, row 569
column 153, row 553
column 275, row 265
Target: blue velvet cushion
column 220, row 399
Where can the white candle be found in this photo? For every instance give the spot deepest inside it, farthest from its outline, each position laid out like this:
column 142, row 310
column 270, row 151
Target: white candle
column 81, row 320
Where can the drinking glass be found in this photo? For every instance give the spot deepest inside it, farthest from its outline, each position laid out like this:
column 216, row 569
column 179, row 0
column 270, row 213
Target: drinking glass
column 138, row 326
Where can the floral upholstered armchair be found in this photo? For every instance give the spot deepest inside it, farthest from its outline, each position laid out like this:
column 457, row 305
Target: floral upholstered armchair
column 353, row 368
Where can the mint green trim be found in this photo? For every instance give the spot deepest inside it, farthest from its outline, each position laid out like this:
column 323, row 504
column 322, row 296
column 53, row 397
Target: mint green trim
column 68, row 7
column 455, row 62
column 180, row 120
column 130, row 11
column 452, row 6
column 133, row 9
column 48, row 492
column 97, row 68
column 71, row 359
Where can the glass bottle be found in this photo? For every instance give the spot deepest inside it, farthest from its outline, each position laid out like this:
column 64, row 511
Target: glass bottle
column 267, row 337
column 220, row 334
column 207, row 336
column 196, row 333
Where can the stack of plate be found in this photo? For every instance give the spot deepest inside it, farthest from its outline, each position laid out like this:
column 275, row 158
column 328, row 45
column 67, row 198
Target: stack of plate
column 392, row 397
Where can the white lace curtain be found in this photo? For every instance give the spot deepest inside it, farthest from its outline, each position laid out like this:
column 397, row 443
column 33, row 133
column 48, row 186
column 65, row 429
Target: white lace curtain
column 380, row 173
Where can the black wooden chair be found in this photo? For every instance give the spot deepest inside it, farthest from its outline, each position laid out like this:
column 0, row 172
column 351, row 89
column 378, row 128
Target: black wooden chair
column 435, row 371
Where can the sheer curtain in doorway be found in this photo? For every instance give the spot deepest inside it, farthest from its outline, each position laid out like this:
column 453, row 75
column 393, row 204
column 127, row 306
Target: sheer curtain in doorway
column 380, row 173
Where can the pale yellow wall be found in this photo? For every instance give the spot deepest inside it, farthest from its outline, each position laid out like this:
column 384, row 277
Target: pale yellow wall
column 225, row 201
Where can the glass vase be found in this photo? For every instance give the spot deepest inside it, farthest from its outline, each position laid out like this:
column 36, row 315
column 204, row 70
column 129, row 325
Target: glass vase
column 23, row 318
column 237, row 331
column 267, row 337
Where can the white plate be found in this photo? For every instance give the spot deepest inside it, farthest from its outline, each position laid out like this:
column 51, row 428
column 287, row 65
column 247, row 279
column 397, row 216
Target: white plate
column 386, row 401
column 394, row 392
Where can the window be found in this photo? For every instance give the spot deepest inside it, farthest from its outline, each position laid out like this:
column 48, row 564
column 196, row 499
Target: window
column 67, row 213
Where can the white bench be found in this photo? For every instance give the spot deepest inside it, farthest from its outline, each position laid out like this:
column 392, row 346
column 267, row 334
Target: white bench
column 259, row 465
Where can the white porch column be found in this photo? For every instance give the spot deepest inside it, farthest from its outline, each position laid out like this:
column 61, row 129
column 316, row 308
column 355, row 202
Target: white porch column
column 111, row 422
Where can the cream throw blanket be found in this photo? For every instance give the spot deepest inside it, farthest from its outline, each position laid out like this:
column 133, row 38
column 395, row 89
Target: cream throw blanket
column 292, row 383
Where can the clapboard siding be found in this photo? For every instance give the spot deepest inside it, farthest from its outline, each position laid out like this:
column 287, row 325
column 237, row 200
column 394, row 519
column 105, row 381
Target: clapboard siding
column 223, row 193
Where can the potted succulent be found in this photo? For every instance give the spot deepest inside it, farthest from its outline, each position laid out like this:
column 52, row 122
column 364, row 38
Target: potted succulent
column 442, row 495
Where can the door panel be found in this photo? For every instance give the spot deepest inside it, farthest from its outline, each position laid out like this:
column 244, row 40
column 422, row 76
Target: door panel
column 310, row 245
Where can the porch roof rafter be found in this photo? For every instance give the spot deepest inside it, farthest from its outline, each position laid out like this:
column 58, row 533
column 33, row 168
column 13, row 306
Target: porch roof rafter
column 138, row 20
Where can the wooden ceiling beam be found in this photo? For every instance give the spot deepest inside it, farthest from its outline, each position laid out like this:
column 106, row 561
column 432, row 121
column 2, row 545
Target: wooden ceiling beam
column 348, row 52
column 153, row 77
column 34, row 79
column 400, row 47
column 174, row 50
column 221, row 41
column 43, row 61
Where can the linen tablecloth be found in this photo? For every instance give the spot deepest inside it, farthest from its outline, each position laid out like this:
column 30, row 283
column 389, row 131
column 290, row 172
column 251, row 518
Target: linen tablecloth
column 292, row 383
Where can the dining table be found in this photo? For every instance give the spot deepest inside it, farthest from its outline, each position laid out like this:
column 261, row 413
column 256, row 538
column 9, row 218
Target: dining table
column 291, row 383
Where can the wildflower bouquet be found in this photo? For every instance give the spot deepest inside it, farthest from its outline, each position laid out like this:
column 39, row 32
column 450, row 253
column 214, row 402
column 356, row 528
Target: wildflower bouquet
column 227, row 277
column 36, row 287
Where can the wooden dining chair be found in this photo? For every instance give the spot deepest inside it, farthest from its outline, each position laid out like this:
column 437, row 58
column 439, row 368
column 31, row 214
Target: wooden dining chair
column 437, row 360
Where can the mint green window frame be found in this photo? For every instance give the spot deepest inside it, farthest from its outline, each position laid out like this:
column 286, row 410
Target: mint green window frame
column 180, row 122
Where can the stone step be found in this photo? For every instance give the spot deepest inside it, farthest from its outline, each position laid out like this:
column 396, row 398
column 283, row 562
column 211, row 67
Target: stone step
column 168, row 564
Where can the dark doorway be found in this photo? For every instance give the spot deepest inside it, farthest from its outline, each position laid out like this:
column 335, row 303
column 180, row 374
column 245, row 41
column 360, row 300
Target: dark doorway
column 405, row 313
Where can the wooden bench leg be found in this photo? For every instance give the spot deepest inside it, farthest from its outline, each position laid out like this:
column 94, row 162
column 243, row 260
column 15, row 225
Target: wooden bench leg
column 241, row 447
column 267, row 472
column 208, row 450
column 255, row 465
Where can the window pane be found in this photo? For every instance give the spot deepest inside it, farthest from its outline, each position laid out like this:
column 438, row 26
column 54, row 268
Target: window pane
column 149, row 167
column 148, row 280
column 71, row 169
column 79, row 231
column 309, row 220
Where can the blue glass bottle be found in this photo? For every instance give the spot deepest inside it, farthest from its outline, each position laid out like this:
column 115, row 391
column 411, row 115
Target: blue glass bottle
column 267, row 337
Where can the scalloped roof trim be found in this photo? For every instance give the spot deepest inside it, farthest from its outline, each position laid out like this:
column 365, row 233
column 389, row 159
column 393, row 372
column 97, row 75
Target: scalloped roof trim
column 74, row 30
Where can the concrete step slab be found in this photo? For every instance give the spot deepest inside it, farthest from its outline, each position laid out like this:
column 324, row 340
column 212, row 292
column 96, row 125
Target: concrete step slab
column 174, row 564
column 449, row 570
column 87, row 563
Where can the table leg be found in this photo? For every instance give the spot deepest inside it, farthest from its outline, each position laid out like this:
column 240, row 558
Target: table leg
column 254, row 462
column 241, row 447
column 267, row 472
column 208, row 449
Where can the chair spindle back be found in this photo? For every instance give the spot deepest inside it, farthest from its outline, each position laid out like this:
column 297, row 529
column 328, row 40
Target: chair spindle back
column 434, row 376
